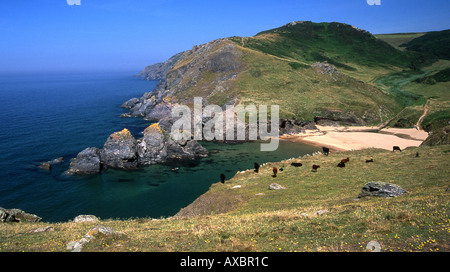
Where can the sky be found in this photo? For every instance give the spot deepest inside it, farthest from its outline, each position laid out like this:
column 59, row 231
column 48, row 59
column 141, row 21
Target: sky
column 127, row 35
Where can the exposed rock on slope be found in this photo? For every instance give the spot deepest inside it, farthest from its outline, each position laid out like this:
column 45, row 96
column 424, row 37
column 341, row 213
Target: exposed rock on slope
column 381, row 189
column 294, row 126
column 16, row 215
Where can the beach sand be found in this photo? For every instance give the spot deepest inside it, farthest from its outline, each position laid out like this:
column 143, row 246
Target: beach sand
column 356, row 138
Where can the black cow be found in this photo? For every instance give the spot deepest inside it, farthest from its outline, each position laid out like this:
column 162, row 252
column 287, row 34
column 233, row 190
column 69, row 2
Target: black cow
column 296, row 164
column 396, row 148
column 256, row 167
column 371, row 160
column 222, row 178
column 326, row 150
column 341, row 164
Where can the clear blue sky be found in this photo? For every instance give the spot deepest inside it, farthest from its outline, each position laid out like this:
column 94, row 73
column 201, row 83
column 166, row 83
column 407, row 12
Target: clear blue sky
column 50, row 35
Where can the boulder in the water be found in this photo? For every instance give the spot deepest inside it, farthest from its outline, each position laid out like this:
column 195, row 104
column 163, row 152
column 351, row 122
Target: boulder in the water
column 120, row 151
column 87, row 162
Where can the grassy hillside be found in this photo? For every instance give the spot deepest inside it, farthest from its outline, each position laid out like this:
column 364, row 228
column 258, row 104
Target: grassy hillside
column 435, row 43
column 305, row 92
column 308, row 69
column 342, row 45
column 279, row 71
column 398, row 39
column 255, row 219
column 419, row 90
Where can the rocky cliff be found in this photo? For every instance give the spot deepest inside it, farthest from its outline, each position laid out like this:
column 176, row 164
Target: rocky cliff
column 205, row 71
column 158, row 71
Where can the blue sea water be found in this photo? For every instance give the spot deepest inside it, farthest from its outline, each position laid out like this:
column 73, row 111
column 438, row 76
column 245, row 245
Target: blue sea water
column 46, row 116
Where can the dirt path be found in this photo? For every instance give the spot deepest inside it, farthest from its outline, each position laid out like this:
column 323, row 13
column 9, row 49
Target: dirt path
column 425, row 112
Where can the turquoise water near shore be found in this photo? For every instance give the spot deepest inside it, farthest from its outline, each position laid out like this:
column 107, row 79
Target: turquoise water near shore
column 46, row 116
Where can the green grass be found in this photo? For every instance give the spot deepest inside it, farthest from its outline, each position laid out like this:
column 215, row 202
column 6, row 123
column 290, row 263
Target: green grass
column 441, row 76
column 304, row 93
column 398, row 39
column 434, row 43
column 286, row 220
column 436, row 94
column 339, row 44
column 369, row 62
column 436, row 120
column 407, row 118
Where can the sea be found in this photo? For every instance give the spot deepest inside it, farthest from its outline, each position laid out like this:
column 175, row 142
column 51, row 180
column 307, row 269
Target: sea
column 44, row 116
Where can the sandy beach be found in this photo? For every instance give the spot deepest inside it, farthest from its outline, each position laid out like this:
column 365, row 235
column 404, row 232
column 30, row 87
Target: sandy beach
column 355, row 138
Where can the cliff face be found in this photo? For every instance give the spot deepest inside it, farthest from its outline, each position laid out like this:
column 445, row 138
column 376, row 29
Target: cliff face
column 205, row 71
column 158, row 71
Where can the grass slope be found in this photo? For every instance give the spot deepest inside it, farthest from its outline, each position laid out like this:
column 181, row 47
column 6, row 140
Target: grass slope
column 416, row 88
column 398, row 39
column 304, row 93
column 436, row 43
column 288, row 220
column 279, row 71
column 339, row 44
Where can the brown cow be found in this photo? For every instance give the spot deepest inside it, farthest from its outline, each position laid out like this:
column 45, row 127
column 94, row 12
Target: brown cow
column 315, row 167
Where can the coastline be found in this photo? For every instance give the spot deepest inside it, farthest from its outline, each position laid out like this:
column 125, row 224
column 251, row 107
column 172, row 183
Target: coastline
column 359, row 137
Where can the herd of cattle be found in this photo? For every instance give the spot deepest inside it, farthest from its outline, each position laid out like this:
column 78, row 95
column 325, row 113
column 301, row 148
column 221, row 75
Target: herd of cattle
column 326, row 151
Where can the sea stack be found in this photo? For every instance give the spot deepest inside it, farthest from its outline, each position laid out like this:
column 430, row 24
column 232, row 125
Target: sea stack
column 120, row 151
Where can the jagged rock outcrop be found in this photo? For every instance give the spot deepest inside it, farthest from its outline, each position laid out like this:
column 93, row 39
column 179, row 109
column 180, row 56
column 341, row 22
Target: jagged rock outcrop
column 119, row 151
column 123, row 151
column 87, row 162
column 325, row 68
column 294, row 126
column 157, row 146
column 337, row 118
column 16, row 215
